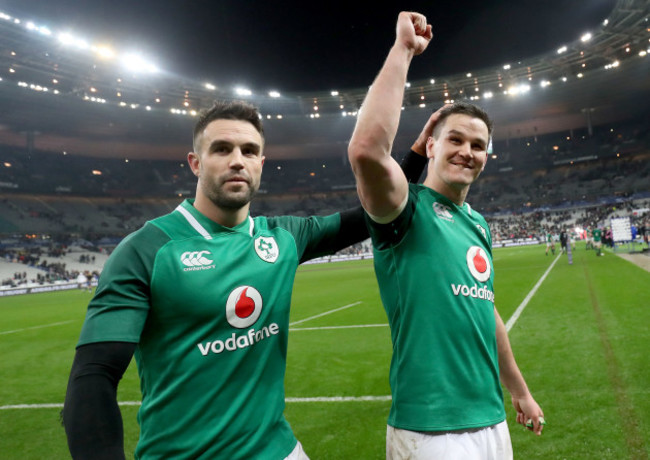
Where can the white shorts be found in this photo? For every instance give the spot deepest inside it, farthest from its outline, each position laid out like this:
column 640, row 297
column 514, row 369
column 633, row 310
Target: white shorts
column 297, row 453
column 490, row 443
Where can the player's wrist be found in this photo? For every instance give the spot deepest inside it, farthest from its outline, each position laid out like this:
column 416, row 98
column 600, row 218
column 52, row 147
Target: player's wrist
column 419, row 149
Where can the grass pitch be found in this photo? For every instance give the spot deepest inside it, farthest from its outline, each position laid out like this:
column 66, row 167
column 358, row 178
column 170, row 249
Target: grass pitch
column 581, row 343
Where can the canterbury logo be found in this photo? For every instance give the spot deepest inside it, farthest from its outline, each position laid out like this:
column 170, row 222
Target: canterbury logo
column 196, row 258
column 443, row 211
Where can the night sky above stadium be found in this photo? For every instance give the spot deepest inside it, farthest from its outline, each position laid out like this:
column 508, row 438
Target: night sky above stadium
column 305, row 46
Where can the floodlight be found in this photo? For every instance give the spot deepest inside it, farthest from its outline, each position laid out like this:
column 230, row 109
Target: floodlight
column 274, row 93
column 136, row 63
column 104, row 52
column 520, row 89
column 243, row 91
column 69, row 40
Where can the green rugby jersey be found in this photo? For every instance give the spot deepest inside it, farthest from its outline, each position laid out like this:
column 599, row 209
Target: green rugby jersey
column 434, row 270
column 597, row 234
column 208, row 307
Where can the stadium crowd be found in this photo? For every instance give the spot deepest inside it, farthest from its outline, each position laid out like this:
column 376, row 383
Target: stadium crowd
column 534, row 186
column 51, row 270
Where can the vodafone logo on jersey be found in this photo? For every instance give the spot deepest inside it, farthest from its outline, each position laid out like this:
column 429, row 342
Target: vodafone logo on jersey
column 243, row 307
column 478, row 264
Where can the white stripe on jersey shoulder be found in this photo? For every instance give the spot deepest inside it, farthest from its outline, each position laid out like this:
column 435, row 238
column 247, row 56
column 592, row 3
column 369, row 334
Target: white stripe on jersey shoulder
column 251, row 226
column 393, row 215
column 469, row 208
column 193, row 222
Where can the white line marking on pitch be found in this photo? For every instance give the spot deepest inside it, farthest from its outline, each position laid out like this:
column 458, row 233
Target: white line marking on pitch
column 339, row 399
column 515, row 316
column 335, row 327
column 326, row 313
column 289, row 400
column 509, row 325
column 32, row 406
column 36, row 327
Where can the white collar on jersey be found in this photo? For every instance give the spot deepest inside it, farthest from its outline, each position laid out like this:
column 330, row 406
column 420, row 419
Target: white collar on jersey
column 201, row 229
column 469, row 208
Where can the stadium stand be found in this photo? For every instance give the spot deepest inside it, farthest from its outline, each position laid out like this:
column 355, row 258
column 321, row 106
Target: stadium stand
column 561, row 157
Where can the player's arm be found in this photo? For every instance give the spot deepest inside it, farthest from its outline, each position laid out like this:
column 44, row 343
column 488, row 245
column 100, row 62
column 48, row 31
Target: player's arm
column 381, row 184
column 511, row 377
column 352, row 228
column 91, row 416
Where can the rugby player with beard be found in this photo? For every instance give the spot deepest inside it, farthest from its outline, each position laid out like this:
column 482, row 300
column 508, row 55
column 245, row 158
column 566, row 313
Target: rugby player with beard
column 201, row 297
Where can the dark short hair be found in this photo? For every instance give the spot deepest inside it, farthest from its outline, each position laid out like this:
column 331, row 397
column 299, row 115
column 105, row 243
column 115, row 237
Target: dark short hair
column 463, row 108
column 228, row 110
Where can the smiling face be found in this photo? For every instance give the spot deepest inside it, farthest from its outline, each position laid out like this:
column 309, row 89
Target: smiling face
column 228, row 164
column 457, row 155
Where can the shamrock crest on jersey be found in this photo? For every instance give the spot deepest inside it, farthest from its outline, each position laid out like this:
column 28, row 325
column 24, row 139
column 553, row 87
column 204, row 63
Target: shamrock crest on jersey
column 267, row 249
column 482, row 230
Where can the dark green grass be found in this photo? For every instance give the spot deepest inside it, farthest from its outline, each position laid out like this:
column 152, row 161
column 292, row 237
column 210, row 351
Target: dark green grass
column 581, row 344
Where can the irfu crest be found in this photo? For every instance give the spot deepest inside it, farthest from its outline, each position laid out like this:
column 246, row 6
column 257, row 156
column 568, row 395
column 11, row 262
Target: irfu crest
column 267, row 249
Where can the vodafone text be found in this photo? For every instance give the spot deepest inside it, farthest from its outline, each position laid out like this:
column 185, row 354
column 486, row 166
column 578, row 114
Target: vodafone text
column 474, row 291
column 238, row 342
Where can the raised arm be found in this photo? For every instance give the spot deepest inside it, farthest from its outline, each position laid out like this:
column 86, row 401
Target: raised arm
column 381, row 184
column 511, row 377
column 353, row 227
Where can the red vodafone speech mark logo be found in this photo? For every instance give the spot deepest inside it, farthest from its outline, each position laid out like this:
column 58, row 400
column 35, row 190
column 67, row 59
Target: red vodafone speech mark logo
column 243, row 307
column 478, row 264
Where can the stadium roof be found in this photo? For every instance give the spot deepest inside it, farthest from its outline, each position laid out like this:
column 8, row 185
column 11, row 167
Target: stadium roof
column 531, row 64
column 300, row 46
